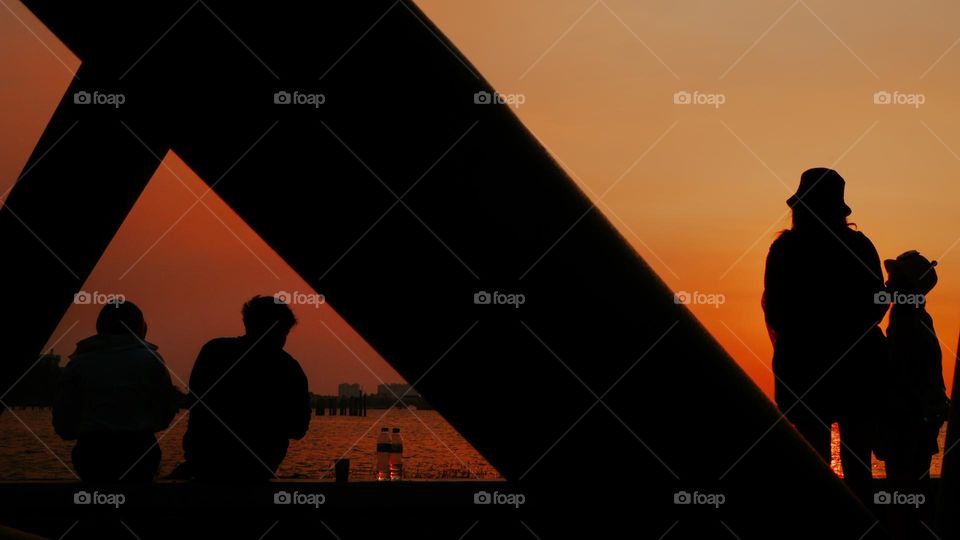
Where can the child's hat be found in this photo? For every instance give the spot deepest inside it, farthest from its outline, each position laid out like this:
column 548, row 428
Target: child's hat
column 915, row 268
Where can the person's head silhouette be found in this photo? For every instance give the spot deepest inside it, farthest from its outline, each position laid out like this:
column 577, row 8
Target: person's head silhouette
column 911, row 272
column 268, row 319
column 120, row 317
column 819, row 200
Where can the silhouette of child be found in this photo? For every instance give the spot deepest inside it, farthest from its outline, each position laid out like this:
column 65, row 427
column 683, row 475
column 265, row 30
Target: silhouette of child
column 917, row 402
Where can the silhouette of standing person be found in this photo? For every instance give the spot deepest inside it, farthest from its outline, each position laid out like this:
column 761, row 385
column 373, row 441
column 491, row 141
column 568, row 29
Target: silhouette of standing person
column 916, row 404
column 254, row 398
column 820, row 304
column 114, row 395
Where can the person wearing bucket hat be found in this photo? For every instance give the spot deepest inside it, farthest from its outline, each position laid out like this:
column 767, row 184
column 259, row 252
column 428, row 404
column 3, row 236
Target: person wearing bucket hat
column 821, row 190
column 820, row 279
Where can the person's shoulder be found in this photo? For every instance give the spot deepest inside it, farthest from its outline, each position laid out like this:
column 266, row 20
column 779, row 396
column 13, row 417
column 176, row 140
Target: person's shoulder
column 287, row 358
column 76, row 363
column 783, row 240
column 150, row 360
column 221, row 343
column 858, row 239
column 218, row 348
column 86, row 348
column 289, row 361
column 856, row 235
column 148, row 352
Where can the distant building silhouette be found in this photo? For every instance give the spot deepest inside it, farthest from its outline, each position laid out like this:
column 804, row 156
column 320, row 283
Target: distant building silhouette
column 349, row 390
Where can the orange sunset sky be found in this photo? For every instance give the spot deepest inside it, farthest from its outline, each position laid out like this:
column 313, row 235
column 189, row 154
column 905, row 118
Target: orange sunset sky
column 697, row 189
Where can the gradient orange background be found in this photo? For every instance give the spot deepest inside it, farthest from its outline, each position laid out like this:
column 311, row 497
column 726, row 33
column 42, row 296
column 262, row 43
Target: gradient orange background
column 698, row 190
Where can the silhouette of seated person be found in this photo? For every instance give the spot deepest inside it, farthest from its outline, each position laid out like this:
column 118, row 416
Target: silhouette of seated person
column 252, row 396
column 114, row 395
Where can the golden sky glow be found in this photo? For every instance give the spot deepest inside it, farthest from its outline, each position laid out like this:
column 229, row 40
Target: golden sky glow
column 697, row 189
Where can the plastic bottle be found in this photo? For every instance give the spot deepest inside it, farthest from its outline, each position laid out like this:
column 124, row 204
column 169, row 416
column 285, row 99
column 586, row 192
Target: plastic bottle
column 396, row 455
column 383, row 455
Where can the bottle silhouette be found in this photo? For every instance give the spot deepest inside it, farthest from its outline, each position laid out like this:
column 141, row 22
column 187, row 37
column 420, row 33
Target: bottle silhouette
column 396, row 455
column 383, row 455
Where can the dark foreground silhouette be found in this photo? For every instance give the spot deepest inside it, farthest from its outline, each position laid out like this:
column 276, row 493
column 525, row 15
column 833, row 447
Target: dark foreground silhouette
column 823, row 299
column 114, row 395
column 491, row 211
column 915, row 403
column 230, row 436
column 819, row 301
